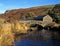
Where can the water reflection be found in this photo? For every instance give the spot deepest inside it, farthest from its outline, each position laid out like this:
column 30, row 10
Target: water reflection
column 41, row 38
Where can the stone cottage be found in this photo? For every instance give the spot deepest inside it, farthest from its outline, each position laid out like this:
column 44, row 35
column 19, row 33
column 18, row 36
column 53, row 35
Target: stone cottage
column 47, row 20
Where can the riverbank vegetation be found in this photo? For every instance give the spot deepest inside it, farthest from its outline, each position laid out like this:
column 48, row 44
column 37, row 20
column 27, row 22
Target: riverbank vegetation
column 8, row 30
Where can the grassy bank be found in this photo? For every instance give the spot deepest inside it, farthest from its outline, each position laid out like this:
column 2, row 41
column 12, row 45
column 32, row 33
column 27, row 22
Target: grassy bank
column 8, row 30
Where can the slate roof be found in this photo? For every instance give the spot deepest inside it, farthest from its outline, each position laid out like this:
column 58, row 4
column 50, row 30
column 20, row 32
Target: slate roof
column 39, row 18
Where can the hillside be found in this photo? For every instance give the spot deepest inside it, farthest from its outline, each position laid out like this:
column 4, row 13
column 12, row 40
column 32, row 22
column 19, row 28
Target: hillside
column 55, row 13
column 17, row 14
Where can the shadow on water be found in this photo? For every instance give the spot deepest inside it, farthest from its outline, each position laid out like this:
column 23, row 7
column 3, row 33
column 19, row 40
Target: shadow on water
column 39, row 38
column 30, row 42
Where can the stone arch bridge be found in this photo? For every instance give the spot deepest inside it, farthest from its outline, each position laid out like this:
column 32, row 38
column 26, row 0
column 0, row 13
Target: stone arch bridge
column 29, row 22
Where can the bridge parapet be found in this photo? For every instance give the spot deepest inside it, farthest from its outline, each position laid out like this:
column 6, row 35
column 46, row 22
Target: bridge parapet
column 29, row 22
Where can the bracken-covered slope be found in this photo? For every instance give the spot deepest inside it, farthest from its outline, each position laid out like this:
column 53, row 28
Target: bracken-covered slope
column 24, row 13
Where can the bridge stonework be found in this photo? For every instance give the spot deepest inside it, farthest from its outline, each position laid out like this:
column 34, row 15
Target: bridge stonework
column 29, row 22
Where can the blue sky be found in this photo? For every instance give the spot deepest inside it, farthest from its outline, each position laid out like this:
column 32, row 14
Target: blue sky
column 15, row 4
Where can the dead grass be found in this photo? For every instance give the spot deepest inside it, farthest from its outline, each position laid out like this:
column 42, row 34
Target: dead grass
column 7, row 31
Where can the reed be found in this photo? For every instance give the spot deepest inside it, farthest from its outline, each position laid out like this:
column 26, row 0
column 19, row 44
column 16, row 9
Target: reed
column 8, row 30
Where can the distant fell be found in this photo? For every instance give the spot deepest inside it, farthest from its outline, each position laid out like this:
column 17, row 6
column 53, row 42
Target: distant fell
column 24, row 13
